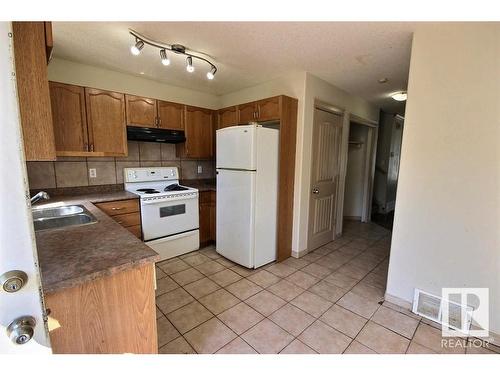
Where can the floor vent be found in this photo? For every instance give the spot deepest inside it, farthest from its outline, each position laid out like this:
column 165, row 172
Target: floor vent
column 431, row 307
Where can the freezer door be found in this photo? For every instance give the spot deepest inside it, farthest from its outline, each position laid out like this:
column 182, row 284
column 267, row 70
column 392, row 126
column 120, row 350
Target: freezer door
column 236, row 216
column 236, row 147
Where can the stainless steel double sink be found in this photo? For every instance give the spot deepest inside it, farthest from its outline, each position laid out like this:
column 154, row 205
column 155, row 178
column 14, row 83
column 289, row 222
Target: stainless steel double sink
column 62, row 216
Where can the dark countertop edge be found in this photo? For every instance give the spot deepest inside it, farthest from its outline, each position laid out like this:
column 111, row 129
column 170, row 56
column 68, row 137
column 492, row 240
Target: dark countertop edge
column 79, row 280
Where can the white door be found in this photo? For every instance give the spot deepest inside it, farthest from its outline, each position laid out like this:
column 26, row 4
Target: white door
column 17, row 239
column 236, row 147
column 235, row 216
column 325, row 173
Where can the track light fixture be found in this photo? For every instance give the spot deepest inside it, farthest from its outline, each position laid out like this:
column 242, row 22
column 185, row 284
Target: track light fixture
column 141, row 40
column 136, row 48
column 189, row 66
column 164, row 59
column 211, row 73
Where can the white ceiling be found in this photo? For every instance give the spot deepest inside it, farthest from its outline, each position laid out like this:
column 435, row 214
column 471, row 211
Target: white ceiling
column 349, row 55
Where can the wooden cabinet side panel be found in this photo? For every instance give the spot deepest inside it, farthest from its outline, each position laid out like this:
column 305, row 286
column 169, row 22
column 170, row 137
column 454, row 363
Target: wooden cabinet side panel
column 113, row 314
column 288, row 138
column 33, row 90
column 69, row 118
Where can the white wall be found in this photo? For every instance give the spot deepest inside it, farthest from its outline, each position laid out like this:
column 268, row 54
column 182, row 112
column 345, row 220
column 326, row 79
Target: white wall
column 317, row 89
column 86, row 75
column 355, row 174
column 447, row 218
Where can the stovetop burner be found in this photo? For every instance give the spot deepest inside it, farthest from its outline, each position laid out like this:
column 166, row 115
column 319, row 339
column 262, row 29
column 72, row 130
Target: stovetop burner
column 175, row 187
column 148, row 191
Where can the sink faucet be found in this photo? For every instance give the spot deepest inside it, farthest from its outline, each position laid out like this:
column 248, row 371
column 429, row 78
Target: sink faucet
column 39, row 196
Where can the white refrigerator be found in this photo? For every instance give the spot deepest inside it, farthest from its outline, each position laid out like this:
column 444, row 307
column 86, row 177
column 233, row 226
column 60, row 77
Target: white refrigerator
column 247, row 194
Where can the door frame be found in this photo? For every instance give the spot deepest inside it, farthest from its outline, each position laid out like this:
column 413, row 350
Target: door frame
column 336, row 110
column 369, row 164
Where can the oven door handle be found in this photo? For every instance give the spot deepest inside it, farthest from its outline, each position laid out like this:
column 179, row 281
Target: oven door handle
column 155, row 201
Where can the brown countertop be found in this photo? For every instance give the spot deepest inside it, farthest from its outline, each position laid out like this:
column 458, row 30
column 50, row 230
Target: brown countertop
column 74, row 255
column 201, row 185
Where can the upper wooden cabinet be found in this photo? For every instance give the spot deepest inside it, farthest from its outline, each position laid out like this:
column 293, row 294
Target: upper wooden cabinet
column 106, row 122
column 69, row 117
column 170, row 115
column 33, row 90
column 261, row 110
column 246, row 113
column 199, row 134
column 140, row 111
column 227, row 117
column 268, row 109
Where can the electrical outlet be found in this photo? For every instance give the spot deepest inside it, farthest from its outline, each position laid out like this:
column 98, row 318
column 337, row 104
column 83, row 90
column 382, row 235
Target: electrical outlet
column 92, row 173
column 200, row 169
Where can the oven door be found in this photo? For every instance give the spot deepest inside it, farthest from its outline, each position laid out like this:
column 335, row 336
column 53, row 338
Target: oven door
column 165, row 217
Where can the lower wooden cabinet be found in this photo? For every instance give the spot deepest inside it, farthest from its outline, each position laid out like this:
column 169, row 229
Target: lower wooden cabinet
column 112, row 314
column 126, row 213
column 207, row 217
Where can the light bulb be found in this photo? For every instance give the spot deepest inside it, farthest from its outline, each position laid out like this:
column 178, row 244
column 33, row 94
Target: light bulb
column 190, row 67
column 164, row 59
column 211, row 73
column 400, row 96
column 136, row 48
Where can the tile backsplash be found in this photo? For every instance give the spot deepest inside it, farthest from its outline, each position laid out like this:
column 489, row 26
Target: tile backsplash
column 74, row 171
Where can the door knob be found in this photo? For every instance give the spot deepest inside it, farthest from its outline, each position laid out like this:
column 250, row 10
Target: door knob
column 315, row 191
column 21, row 330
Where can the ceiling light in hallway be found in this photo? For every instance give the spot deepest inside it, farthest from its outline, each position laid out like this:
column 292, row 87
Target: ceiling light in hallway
column 399, row 96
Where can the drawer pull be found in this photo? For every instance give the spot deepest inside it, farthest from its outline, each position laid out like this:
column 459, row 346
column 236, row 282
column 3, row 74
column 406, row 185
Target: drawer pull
column 117, row 208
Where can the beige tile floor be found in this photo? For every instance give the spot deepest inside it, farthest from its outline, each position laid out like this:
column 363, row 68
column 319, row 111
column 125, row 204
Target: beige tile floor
column 329, row 301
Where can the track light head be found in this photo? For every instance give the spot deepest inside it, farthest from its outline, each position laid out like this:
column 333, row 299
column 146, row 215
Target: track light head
column 211, row 73
column 136, row 48
column 164, row 59
column 190, row 67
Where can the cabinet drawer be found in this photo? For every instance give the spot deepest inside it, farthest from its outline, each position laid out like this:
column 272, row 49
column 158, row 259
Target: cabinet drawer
column 119, row 207
column 128, row 220
column 136, row 230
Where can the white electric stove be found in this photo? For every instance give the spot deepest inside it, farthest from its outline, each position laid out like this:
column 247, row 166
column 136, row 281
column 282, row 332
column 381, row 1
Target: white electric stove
column 169, row 211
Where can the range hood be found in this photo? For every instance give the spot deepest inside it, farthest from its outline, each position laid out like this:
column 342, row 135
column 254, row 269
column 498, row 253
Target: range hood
column 136, row 133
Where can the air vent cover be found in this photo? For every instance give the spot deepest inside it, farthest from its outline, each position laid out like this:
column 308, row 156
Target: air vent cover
column 431, row 307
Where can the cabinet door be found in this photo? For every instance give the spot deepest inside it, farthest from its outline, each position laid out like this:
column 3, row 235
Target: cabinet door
column 268, row 109
column 228, row 117
column 140, row 111
column 33, row 90
column 170, row 115
column 69, row 118
column 204, row 222
column 106, row 122
column 246, row 113
column 199, row 133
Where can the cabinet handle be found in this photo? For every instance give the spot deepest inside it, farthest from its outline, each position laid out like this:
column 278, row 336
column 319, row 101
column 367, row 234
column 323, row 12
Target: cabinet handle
column 159, row 122
column 92, row 147
column 85, row 146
